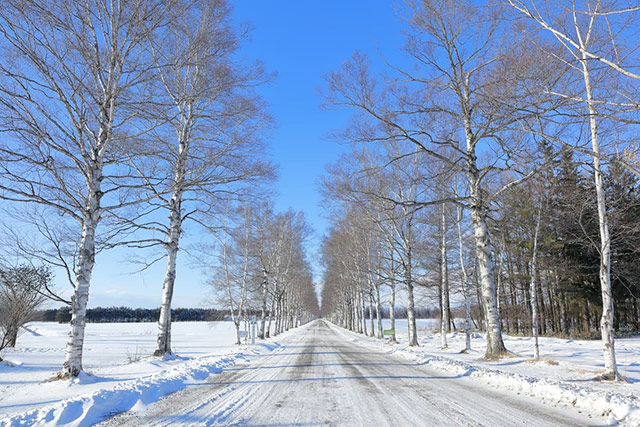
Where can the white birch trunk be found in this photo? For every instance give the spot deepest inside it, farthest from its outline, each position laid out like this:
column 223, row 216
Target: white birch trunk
column 376, row 285
column 227, row 279
column 347, row 315
column 465, row 287
column 606, row 321
column 378, row 312
column 72, row 365
column 443, row 281
column 351, row 318
column 175, row 229
column 263, row 314
column 355, row 310
column 356, row 313
column 372, row 328
column 276, row 320
column 392, row 305
column 411, row 317
column 364, row 313
column 164, row 322
column 533, row 290
column 236, row 323
column 495, row 344
column 245, row 275
column 273, row 304
column 499, row 282
column 280, row 313
column 285, row 315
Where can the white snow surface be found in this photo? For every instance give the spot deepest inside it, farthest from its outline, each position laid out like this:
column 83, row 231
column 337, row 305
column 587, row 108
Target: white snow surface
column 565, row 374
column 121, row 376
column 119, row 372
column 322, row 375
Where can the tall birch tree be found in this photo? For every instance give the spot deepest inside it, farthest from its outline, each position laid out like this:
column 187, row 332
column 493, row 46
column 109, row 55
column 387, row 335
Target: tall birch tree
column 211, row 145
column 583, row 30
column 69, row 98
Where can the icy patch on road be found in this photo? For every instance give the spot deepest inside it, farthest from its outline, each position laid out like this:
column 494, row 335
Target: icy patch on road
column 619, row 408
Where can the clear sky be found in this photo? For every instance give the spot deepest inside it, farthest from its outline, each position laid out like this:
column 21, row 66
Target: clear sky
column 301, row 41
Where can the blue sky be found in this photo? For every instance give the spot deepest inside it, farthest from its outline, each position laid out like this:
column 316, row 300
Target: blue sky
column 301, row 41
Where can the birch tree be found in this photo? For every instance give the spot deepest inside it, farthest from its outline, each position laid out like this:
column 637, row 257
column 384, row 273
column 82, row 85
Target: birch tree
column 583, row 30
column 212, row 144
column 403, row 221
column 68, row 102
column 269, row 268
column 266, row 244
column 233, row 270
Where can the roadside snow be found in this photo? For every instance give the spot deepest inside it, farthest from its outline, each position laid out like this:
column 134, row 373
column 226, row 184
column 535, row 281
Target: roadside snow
column 564, row 375
column 120, row 374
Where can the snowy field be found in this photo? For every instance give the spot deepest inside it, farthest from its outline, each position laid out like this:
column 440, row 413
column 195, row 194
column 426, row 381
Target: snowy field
column 122, row 375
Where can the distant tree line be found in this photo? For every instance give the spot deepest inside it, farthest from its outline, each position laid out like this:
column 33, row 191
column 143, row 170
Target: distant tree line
column 138, row 315
column 135, row 315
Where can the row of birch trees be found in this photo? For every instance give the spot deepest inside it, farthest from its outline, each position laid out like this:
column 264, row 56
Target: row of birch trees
column 261, row 267
column 472, row 125
column 124, row 123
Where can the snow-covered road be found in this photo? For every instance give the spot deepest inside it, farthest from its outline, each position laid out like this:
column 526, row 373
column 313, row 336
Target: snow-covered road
column 318, row 378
